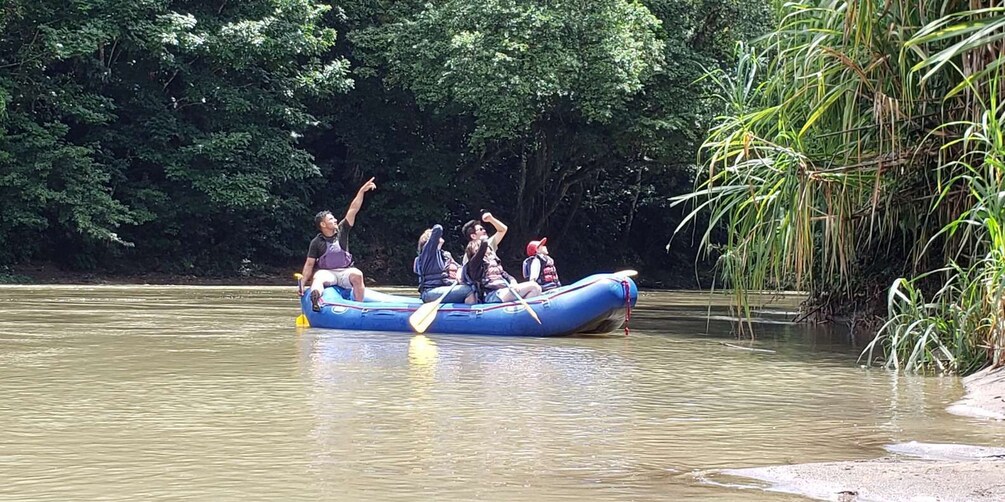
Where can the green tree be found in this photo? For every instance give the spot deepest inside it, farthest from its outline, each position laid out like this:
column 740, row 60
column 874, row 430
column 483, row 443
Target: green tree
column 527, row 73
column 181, row 118
column 554, row 137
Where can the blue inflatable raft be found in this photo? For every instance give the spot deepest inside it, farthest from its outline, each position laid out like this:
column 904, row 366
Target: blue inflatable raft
column 596, row 304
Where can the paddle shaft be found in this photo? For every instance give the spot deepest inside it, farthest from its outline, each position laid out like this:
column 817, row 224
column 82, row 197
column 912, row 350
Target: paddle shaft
column 523, row 302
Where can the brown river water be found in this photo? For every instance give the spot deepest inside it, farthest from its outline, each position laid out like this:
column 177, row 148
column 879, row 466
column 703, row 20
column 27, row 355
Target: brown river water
column 211, row 393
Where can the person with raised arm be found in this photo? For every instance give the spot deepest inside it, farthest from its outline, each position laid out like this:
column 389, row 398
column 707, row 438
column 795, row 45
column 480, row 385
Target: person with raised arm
column 484, row 272
column 438, row 271
column 329, row 261
column 474, row 230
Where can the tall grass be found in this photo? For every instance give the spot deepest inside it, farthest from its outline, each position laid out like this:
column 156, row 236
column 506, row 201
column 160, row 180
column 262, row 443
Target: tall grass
column 865, row 131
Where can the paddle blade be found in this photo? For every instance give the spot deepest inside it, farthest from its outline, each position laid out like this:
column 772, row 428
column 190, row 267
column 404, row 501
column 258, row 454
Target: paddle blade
column 302, row 321
column 423, row 317
column 426, row 314
column 526, row 305
column 532, row 313
column 627, row 273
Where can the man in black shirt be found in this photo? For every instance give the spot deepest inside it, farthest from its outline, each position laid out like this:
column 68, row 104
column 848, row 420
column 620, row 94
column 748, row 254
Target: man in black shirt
column 328, row 259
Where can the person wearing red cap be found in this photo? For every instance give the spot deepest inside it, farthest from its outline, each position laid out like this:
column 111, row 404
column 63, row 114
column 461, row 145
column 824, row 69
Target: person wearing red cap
column 540, row 266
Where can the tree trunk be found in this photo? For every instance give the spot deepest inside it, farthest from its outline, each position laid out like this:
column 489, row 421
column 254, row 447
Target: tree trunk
column 636, row 190
column 577, row 200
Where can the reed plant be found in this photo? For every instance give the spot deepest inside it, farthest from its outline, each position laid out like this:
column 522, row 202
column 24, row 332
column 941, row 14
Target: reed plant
column 865, row 132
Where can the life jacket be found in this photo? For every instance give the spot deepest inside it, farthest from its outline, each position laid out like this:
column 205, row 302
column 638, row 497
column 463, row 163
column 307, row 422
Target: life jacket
column 495, row 277
column 435, row 279
column 486, row 275
column 334, row 256
column 453, row 268
column 548, row 278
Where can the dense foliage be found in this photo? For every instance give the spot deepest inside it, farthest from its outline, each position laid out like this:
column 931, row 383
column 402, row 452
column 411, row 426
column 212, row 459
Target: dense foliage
column 201, row 136
column 161, row 126
column 863, row 147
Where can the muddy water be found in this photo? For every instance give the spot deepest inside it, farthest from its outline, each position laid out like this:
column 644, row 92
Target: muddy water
column 210, row 393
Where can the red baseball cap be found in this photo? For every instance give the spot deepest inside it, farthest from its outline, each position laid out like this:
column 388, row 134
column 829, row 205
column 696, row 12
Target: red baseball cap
column 532, row 247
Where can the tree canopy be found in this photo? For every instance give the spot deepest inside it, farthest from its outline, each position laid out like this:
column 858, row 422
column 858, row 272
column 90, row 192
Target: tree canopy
column 196, row 137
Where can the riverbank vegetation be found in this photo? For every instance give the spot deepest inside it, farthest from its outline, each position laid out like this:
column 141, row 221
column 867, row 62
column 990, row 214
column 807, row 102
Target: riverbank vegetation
column 200, row 137
column 861, row 158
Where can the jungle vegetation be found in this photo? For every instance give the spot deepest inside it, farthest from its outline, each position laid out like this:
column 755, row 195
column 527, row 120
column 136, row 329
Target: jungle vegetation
column 200, row 137
column 862, row 157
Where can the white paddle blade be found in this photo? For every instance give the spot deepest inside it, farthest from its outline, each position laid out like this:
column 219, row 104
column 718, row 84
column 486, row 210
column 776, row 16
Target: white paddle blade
column 627, row 273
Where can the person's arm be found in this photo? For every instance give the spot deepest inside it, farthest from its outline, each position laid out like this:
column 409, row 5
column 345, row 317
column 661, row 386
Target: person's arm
column 535, row 269
column 500, row 227
column 315, row 250
column 308, row 272
column 430, row 258
column 357, row 202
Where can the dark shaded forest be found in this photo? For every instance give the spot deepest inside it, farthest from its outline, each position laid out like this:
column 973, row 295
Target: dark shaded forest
column 201, row 137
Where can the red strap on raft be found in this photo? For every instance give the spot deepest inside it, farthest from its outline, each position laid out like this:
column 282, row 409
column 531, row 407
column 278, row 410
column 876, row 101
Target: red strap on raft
column 628, row 303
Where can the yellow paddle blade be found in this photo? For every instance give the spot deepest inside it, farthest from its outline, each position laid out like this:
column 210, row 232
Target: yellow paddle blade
column 302, row 321
column 426, row 314
column 423, row 317
column 298, row 276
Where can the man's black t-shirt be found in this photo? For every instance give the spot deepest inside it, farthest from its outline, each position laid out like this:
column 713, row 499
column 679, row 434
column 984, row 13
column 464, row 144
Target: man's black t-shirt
column 320, row 243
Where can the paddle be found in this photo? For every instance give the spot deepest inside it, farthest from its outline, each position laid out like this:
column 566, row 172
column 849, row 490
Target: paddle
column 627, row 273
column 302, row 321
column 423, row 317
column 524, row 303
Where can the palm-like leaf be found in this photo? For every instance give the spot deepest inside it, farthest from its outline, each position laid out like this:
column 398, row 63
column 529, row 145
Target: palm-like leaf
column 866, row 121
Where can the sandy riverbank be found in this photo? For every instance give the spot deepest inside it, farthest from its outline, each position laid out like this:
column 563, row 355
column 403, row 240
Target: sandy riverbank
column 915, row 471
column 985, row 396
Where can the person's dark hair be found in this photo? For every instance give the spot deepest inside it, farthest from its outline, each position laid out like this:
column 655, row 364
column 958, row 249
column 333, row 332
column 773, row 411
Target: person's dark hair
column 469, row 228
column 318, row 218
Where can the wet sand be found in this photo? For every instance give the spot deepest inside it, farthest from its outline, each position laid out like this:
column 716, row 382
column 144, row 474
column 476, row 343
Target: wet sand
column 938, row 472
column 985, row 396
